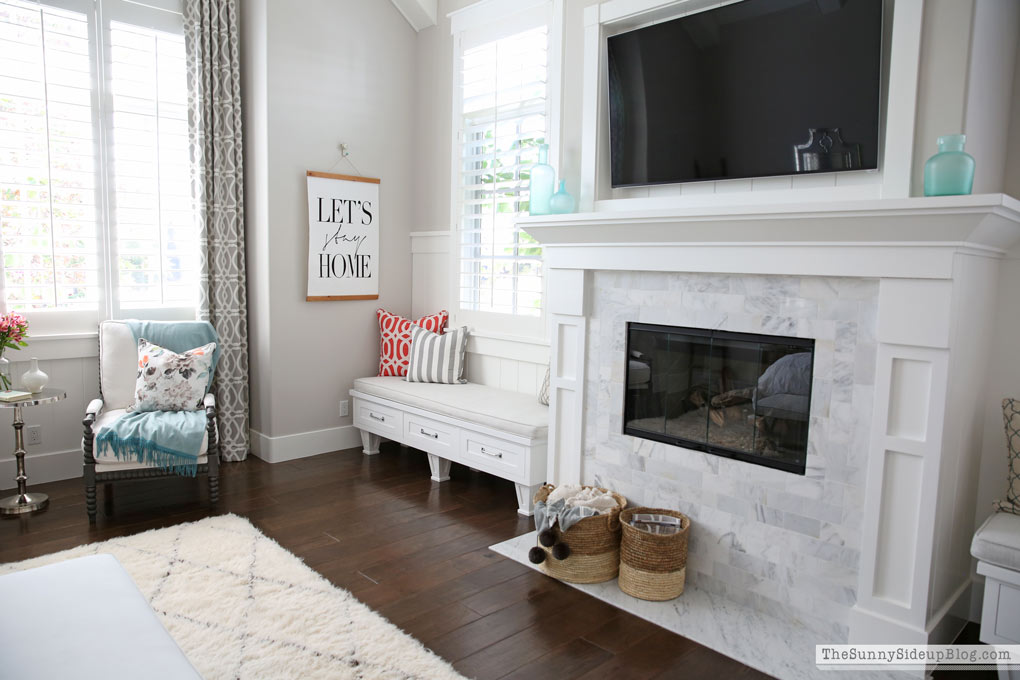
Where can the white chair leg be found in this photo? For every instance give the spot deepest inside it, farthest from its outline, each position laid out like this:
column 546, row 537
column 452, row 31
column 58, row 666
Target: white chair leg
column 370, row 443
column 526, row 499
column 440, row 468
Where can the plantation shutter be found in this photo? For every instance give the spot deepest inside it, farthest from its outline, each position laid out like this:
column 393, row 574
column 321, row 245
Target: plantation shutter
column 504, row 117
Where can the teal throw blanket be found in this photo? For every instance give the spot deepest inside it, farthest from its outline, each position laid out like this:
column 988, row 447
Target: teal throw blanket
column 171, row 440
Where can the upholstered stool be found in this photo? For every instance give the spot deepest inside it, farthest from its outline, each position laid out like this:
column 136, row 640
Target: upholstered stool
column 996, row 546
column 84, row 619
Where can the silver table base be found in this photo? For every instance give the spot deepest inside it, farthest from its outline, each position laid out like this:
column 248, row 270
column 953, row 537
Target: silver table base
column 23, row 501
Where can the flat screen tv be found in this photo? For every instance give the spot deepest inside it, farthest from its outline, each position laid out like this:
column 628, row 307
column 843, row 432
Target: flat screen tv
column 751, row 89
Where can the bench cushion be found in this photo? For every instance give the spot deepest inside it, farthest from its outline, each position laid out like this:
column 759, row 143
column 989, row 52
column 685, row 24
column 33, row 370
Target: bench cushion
column 998, row 541
column 503, row 410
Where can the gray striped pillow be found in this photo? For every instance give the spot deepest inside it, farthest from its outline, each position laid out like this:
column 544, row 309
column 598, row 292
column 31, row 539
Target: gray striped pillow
column 437, row 358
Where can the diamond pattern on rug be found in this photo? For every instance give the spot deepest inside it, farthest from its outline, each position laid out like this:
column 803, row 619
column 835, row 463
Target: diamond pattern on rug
column 240, row 606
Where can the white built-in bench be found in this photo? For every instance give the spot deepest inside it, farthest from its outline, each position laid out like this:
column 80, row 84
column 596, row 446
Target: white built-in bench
column 496, row 431
column 996, row 546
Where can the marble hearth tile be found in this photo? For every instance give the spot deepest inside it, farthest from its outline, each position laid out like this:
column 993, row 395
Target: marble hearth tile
column 779, row 325
column 839, row 309
column 722, row 495
column 818, row 288
column 712, row 283
column 857, row 289
column 817, row 329
column 799, row 308
column 719, row 302
column 825, row 356
column 865, row 356
column 760, row 304
column 829, row 552
column 769, row 642
column 821, row 395
column 846, row 335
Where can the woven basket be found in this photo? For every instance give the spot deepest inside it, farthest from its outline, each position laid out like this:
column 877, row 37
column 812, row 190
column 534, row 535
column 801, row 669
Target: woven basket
column 653, row 566
column 594, row 544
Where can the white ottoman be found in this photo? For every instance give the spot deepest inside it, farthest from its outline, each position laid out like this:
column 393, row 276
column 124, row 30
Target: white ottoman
column 996, row 546
column 84, row 618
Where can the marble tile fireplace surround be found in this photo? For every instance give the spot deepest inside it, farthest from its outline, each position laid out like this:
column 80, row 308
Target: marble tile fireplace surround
column 899, row 295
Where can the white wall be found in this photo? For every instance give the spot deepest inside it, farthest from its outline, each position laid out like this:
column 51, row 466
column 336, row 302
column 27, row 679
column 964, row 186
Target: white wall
column 1004, row 372
column 1003, row 377
column 334, row 70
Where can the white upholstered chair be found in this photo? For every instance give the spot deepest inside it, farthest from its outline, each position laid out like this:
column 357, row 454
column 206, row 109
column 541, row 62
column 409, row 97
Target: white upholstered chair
column 118, row 371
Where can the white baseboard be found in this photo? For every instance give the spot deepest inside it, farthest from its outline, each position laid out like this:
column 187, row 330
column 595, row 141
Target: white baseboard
column 304, row 444
column 42, row 468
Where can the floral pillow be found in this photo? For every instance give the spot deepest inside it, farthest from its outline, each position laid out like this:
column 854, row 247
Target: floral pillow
column 168, row 381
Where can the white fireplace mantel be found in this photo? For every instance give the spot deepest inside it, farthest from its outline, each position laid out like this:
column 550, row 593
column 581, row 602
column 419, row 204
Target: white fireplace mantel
column 936, row 261
column 895, row 238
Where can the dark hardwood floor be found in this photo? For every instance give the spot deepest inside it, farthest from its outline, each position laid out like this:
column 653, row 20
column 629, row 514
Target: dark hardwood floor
column 414, row 551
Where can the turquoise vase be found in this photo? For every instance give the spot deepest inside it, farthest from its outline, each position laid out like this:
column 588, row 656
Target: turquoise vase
column 540, row 188
column 561, row 201
column 950, row 172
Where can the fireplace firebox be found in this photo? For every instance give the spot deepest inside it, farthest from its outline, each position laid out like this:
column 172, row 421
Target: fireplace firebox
column 739, row 395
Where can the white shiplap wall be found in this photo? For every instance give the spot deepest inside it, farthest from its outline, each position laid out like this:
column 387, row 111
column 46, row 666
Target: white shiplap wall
column 73, row 365
column 498, row 360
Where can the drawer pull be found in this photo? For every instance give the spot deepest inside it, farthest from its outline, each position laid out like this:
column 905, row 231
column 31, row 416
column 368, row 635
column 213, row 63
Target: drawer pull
column 494, row 454
column 381, row 419
column 434, row 435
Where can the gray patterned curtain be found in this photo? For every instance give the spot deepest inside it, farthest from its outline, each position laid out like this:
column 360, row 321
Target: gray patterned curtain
column 211, row 33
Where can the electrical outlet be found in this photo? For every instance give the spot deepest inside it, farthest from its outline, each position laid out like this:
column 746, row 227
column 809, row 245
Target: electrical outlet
column 345, row 408
column 33, row 434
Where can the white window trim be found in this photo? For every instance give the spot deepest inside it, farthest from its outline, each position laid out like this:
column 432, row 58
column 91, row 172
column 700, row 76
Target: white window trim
column 477, row 18
column 68, row 332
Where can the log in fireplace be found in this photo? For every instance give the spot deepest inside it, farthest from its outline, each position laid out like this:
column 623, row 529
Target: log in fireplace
column 740, row 395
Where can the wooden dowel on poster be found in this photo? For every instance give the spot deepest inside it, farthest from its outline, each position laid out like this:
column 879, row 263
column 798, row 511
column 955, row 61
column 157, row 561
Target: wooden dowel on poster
column 349, row 178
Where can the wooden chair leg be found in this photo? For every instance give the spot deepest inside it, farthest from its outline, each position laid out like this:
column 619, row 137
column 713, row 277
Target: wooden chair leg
column 213, row 455
column 214, row 485
column 89, row 467
column 90, row 502
column 108, row 498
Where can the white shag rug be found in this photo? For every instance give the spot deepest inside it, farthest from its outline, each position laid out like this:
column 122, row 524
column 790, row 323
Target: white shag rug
column 240, row 606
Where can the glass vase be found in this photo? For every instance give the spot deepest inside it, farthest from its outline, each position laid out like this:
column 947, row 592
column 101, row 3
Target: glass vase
column 950, row 172
column 5, row 373
column 540, row 187
column 561, row 201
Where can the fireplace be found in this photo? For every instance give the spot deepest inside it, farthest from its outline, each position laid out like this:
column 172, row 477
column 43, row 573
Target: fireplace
column 739, row 395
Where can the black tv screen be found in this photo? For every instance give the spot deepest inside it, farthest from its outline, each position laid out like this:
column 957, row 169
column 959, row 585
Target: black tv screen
column 751, row 89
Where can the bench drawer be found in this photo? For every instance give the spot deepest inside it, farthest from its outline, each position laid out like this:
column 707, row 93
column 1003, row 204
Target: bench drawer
column 431, row 435
column 495, row 456
column 381, row 420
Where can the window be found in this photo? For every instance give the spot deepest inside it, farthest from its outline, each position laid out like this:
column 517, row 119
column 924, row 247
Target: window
column 96, row 213
column 502, row 115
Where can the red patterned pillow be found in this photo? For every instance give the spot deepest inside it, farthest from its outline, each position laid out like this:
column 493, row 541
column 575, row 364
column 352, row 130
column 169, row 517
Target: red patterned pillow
column 395, row 338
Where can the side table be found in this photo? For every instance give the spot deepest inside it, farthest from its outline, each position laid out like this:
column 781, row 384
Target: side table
column 23, row 501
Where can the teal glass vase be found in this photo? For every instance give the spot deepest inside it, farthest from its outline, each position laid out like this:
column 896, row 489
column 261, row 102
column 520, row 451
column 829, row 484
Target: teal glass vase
column 540, row 187
column 561, row 201
column 950, row 172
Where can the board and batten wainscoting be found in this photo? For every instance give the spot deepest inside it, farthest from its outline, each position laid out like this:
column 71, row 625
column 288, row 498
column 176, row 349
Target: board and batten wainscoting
column 497, row 360
column 72, row 363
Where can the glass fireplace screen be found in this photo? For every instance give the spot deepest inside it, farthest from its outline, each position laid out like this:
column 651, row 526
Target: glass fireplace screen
column 737, row 395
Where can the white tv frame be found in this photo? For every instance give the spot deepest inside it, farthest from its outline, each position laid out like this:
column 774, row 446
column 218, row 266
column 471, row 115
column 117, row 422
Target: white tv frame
column 901, row 58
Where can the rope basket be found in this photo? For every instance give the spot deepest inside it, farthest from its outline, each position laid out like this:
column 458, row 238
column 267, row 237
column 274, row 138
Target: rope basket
column 653, row 566
column 594, row 545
